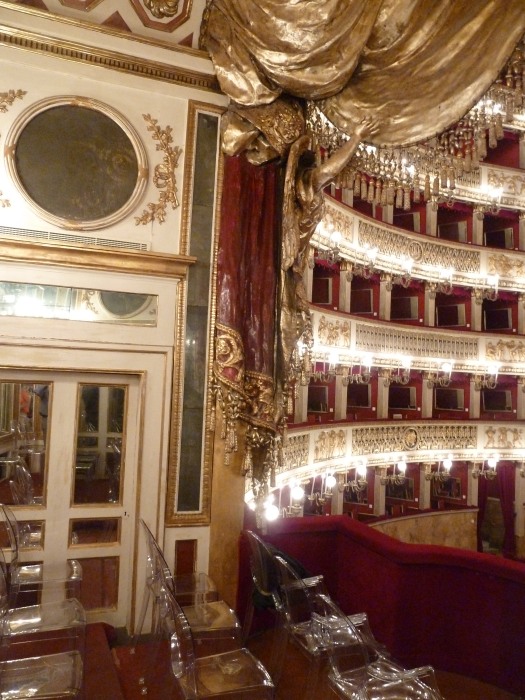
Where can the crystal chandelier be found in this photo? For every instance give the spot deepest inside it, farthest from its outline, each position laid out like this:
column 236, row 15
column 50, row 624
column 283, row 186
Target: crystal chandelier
column 429, row 170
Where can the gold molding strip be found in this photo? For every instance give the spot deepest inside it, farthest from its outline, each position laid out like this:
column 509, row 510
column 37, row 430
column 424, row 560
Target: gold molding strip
column 38, row 43
column 143, row 263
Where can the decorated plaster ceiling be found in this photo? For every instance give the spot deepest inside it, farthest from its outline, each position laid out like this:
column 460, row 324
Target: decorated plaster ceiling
column 170, row 22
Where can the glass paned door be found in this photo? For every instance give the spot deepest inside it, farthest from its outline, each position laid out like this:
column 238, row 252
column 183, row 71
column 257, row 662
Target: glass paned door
column 69, row 445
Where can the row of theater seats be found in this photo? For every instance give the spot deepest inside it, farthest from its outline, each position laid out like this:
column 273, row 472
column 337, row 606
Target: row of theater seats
column 42, row 644
column 197, row 645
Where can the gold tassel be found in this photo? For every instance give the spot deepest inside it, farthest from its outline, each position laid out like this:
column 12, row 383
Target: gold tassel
column 357, row 184
column 406, row 199
column 371, row 192
column 426, row 194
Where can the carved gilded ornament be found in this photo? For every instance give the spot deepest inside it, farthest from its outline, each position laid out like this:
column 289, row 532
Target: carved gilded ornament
column 162, row 8
column 506, row 266
column 296, row 451
column 335, row 333
column 378, row 339
column 503, row 438
column 397, row 245
column 506, row 351
column 163, row 174
column 513, row 184
column 330, row 444
column 397, row 438
column 6, row 100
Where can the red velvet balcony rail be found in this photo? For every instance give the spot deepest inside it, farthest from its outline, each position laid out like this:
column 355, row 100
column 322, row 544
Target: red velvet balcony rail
column 460, row 611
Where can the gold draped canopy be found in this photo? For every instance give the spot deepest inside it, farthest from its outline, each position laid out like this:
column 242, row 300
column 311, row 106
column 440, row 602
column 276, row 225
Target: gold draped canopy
column 417, row 66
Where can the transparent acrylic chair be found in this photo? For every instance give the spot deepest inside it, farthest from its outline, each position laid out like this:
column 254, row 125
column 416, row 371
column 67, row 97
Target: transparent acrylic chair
column 232, row 674
column 270, row 572
column 213, row 623
column 21, row 486
column 41, row 647
column 25, row 577
column 380, row 679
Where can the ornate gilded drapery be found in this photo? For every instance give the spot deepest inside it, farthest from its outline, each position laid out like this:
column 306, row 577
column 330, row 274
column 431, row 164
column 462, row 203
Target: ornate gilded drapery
column 389, row 72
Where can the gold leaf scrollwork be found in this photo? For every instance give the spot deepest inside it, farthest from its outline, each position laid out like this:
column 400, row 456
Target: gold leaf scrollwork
column 7, row 98
column 163, row 174
column 162, row 8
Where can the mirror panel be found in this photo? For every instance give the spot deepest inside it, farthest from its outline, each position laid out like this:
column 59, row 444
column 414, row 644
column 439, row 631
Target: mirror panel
column 75, row 304
column 94, row 531
column 100, row 421
column 24, row 412
column 99, row 587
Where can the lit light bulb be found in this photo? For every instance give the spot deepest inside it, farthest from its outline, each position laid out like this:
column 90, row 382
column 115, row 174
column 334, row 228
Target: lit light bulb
column 331, row 481
column 297, row 492
column 271, row 512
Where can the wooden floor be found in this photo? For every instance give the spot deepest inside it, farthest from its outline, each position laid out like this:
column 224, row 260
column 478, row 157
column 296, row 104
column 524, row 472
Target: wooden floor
column 291, row 686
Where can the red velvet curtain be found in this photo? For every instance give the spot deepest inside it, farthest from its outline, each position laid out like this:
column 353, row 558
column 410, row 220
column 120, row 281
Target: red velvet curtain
column 247, row 267
column 506, row 480
column 482, row 505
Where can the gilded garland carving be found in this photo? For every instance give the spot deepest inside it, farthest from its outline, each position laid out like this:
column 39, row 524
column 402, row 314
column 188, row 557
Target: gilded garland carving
column 498, row 438
column 383, row 340
column 397, row 245
column 163, row 174
column 6, row 100
column 330, row 444
column 397, row 438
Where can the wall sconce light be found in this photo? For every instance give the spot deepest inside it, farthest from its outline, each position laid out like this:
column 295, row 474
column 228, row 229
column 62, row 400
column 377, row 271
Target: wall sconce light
column 404, row 278
column 488, row 291
column 359, row 482
column 398, row 475
column 362, row 375
column 441, row 472
column 487, row 379
column 366, row 268
column 480, row 471
column 398, row 375
column 441, row 376
column 332, row 253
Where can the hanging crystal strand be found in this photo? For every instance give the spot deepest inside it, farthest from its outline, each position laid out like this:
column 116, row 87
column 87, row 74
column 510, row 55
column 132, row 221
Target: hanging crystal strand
column 426, row 191
column 435, row 186
column 451, row 178
column 371, row 191
column 357, row 184
column 364, row 189
column 482, row 145
column 443, row 178
column 384, row 195
column 492, row 135
column 416, row 187
column 467, row 163
column 379, row 191
column 399, row 197
column 390, row 193
column 406, row 198
column 499, row 126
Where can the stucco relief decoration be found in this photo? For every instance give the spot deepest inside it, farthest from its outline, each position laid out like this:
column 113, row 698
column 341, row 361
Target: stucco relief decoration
column 296, row 452
column 336, row 333
column 392, row 438
column 163, row 174
column 346, row 59
column 503, row 438
column 6, row 100
column 396, row 245
column 506, row 351
column 371, row 338
column 330, row 444
column 509, row 184
column 505, row 266
column 162, row 8
column 162, row 15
